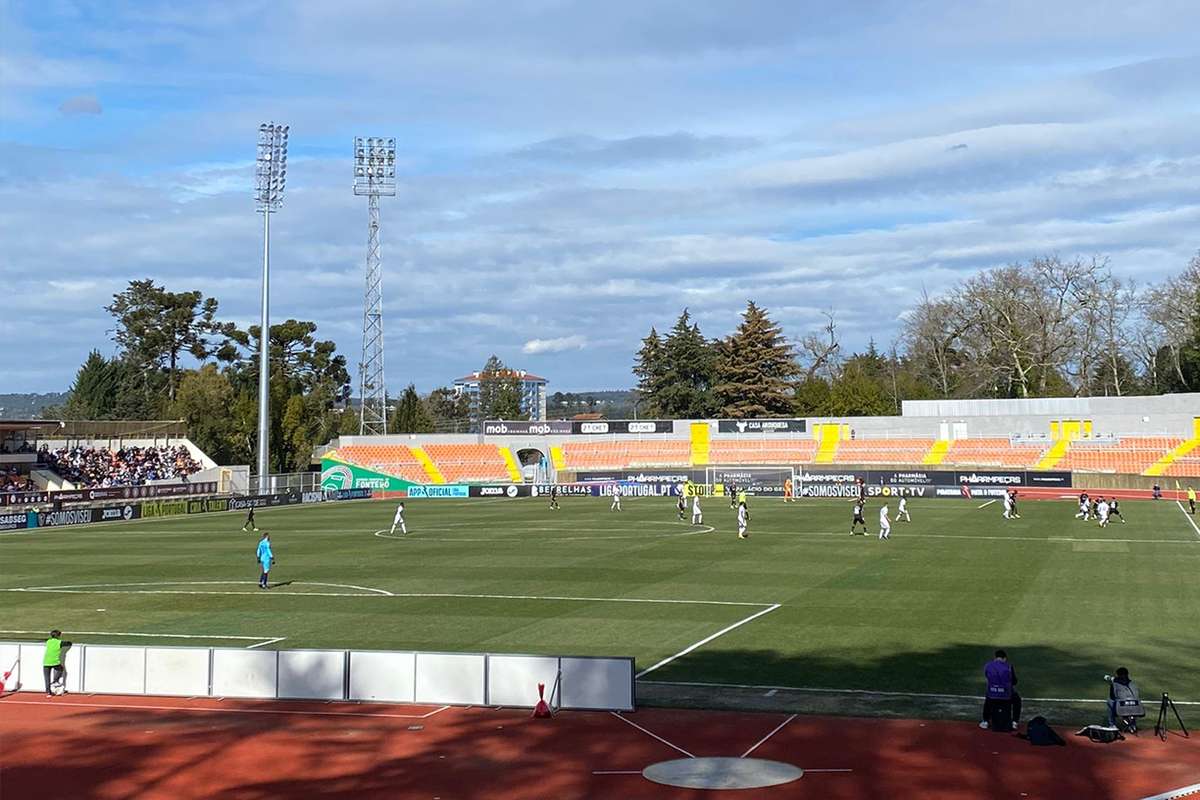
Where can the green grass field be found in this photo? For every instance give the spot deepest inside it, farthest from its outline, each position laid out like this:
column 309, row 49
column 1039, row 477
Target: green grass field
column 919, row 613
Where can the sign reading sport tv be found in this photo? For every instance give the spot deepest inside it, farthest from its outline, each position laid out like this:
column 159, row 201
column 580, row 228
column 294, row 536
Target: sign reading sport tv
column 600, row 427
column 526, row 428
column 817, row 482
column 761, row 426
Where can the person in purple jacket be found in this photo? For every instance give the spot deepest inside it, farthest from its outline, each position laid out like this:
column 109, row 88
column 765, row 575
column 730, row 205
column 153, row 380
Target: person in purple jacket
column 1001, row 688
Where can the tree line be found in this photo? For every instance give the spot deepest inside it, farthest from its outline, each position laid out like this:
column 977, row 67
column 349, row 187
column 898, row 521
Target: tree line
column 175, row 359
column 1046, row 328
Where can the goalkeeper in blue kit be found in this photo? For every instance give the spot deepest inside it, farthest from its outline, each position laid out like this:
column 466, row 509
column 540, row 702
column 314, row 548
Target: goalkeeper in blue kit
column 265, row 558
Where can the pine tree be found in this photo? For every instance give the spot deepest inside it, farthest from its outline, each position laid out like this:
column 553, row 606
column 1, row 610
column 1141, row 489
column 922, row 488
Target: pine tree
column 650, row 369
column 94, row 393
column 411, row 415
column 689, row 372
column 499, row 391
column 756, row 369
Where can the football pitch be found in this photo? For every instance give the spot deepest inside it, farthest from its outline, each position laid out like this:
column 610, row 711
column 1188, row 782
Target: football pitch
column 798, row 604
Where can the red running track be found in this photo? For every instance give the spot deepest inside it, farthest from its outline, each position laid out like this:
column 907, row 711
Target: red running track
column 118, row 747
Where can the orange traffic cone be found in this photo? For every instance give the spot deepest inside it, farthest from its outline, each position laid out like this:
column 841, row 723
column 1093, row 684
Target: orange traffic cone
column 542, row 709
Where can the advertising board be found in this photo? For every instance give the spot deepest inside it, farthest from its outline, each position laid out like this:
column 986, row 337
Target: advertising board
column 526, row 428
column 503, row 490
column 608, row 426
column 343, row 475
column 761, row 426
column 439, row 491
column 12, row 520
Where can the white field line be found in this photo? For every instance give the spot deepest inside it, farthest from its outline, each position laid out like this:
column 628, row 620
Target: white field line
column 132, row 707
column 828, row 770
column 763, row 740
column 99, row 589
column 419, row 535
column 985, row 505
column 906, row 535
column 883, row 693
column 708, row 639
column 652, row 734
column 156, row 635
column 1188, row 517
column 267, row 642
column 1175, row 794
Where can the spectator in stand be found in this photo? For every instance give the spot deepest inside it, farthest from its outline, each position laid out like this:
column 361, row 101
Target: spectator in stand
column 128, row 466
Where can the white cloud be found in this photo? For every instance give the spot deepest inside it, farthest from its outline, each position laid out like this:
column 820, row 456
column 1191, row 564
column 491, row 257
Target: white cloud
column 536, row 346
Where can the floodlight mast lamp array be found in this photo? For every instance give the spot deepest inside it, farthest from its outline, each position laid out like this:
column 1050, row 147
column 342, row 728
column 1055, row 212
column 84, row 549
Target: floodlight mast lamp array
column 374, row 177
column 270, row 174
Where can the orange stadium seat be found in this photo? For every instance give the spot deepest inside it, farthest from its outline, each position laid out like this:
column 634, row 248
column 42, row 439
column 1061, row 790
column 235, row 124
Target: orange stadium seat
column 993, row 452
column 761, row 451
column 468, row 462
column 1130, row 455
column 391, row 459
column 882, row 451
column 631, row 454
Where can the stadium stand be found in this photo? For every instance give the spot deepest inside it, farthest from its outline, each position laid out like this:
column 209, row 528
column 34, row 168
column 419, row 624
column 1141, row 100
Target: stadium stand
column 1131, row 455
column 390, row 459
column 761, row 451
column 469, row 462
column 631, row 454
column 126, row 466
column 882, row 451
column 993, row 452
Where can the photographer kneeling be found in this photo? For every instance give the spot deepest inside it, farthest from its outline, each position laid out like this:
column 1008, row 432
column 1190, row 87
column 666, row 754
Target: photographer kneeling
column 1124, row 701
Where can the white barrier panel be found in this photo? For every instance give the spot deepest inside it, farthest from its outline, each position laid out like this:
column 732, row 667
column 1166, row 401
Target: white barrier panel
column 244, row 673
column 176, row 671
column 10, row 662
column 597, row 683
column 513, row 680
column 31, row 667
column 312, row 674
column 114, row 670
column 450, row 679
column 387, row 677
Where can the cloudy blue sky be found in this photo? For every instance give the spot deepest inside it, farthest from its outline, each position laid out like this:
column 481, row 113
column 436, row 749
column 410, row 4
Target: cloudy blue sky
column 571, row 173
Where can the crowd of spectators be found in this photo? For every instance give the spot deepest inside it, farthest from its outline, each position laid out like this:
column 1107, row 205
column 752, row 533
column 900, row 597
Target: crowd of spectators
column 128, row 466
column 13, row 481
column 10, row 446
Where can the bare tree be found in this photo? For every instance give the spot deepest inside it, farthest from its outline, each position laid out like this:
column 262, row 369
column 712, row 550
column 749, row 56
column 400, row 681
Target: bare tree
column 820, row 351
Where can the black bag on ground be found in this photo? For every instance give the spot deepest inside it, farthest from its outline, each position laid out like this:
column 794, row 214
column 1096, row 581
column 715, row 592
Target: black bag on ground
column 1039, row 733
column 1000, row 720
column 1104, row 734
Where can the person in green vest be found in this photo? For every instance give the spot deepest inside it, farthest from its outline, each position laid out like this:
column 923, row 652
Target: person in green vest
column 53, row 668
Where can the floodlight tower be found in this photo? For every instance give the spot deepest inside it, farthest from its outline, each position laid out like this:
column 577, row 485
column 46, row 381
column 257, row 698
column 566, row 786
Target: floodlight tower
column 270, row 172
column 375, row 177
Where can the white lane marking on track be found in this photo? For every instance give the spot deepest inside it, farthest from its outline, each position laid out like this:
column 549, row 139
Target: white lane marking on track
column 1188, row 517
column 616, row 772
column 267, row 642
column 708, row 639
column 985, row 505
column 652, row 734
column 90, row 589
column 763, row 740
column 133, row 707
column 931, row 695
column 1176, row 794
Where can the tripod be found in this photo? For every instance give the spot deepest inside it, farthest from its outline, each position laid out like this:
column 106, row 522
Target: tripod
column 1160, row 727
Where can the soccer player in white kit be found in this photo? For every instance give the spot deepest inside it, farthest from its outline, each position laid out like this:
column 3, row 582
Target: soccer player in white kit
column 1102, row 512
column 743, row 517
column 1007, row 506
column 697, row 514
column 885, row 524
column 616, row 503
column 399, row 520
column 902, row 511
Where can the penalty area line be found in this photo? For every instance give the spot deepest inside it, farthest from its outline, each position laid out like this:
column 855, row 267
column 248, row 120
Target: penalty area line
column 985, row 505
column 708, row 639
